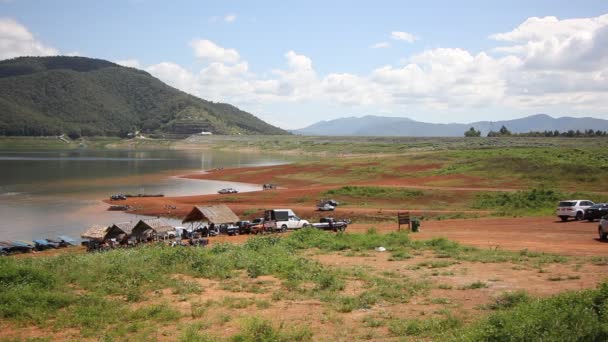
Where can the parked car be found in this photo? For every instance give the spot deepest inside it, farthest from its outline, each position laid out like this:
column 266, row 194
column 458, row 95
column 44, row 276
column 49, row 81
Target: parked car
column 257, row 226
column 244, row 227
column 229, row 229
column 326, row 207
column 329, row 223
column 573, row 208
column 602, row 229
column 596, row 211
column 282, row 220
column 118, row 197
column 228, row 191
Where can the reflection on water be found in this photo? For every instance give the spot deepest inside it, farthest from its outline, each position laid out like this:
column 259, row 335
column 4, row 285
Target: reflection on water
column 59, row 192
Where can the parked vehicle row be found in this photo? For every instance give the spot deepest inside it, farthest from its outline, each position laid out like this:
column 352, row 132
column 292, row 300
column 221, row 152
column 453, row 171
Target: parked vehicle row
column 281, row 220
column 587, row 210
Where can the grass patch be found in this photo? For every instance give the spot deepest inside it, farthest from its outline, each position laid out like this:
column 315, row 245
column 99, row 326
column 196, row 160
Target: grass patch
column 435, row 263
column 256, row 329
column 375, row 192
column 535, row 202
column 423, row 327
column 572, row 316
column 474, row 285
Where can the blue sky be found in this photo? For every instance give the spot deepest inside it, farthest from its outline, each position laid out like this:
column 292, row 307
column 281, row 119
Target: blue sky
column 296, row 63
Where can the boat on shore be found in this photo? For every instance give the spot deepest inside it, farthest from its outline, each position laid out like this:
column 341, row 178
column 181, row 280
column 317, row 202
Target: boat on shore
column 119, row 207
column 22, row 246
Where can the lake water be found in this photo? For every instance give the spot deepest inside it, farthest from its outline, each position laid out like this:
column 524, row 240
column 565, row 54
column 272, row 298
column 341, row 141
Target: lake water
column 47, row 193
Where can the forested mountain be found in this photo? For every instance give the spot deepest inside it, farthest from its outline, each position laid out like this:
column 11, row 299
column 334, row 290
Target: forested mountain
column 393, row 126
column 83, row 96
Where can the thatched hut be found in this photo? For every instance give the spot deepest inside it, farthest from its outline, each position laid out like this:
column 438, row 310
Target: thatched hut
column 216, row 214
column 102, row 233
column 146, row 229
column 126, row 227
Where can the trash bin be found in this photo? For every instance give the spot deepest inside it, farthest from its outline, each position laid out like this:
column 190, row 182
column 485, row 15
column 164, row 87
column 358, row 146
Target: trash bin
column 415, row 224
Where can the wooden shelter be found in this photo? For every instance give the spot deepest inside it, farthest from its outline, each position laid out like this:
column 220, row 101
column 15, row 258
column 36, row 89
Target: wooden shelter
column 102, row 233
column 145, row 229
column 126, row 227
column 216, row 214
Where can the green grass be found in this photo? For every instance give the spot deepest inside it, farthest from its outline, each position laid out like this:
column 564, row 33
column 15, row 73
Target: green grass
column 396, row 145
column 429, row 327
column 84, row 290
column 508, row 300
column 93, row 292
column 252, row 329
column 474, row 285
column 375, row 192
column 571, row 316
column 255, row 329
column 571, row 166
column 530, row 202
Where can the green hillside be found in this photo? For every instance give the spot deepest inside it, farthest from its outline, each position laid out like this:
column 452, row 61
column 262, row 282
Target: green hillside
column 88, row 97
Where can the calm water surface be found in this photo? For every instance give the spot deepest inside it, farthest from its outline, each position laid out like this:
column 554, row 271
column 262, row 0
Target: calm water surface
column 43, row 194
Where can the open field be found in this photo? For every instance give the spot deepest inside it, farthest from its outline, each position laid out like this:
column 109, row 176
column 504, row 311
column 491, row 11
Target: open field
column 307, row 285
column 491, row 261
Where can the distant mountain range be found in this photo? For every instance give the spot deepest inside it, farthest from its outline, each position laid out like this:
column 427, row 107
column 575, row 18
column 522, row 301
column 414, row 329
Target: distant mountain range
column 391, row 126
column 85, row 97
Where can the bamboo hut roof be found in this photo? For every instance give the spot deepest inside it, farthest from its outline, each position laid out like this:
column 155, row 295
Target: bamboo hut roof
column 126, row 227
column 98, row 232
column 158, row 225
column 217, row 214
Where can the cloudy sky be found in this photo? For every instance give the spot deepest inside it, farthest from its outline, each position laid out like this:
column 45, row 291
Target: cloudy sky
column 295, row 63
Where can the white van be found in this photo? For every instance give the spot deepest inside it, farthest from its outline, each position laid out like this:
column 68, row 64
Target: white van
column 283, row 219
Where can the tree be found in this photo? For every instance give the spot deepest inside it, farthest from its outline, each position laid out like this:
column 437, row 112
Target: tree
column 504, row 131
column 472, row 133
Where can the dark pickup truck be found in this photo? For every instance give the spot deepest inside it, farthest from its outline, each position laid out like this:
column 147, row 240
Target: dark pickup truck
column 329, row 223
column 229, row 229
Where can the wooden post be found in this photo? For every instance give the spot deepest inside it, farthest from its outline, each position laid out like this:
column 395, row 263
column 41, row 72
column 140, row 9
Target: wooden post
column 404, row 218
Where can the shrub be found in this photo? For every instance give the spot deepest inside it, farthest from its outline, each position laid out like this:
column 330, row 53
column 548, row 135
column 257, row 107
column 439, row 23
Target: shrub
column 509, row 300
column 573, row 316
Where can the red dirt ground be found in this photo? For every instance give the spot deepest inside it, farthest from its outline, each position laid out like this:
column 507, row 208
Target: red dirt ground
column 545, row 234
column 536, row 234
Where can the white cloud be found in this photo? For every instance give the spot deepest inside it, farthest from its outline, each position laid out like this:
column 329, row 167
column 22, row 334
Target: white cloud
column 208, row 50
column 549, row 43
column 176, row 76
column 381, row 45
column 404, row 36
column 541, row 65
column 131, row 63
column 16, row 40
column 230, row 18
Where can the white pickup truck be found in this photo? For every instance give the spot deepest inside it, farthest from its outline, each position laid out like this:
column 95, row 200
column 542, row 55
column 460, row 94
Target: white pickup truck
column 282, row 220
